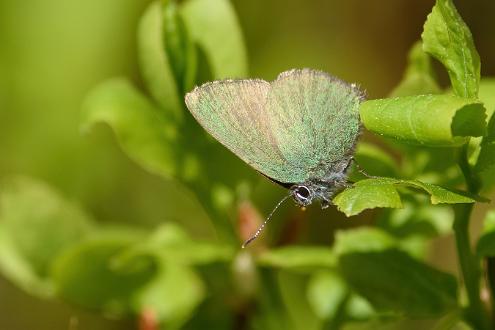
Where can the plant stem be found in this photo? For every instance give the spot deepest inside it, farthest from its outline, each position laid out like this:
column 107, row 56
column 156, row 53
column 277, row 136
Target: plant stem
column 468, row 261
column 470, row 268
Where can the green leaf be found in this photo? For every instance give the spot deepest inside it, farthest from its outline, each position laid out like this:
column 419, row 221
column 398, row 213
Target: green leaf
column 382, row 192
column 391, row 280
column 218, row 35
column 155, row 64
column 359, row 308
column 430, row 120
column 486, row 243
column 298, row 257
column 364, row 239
column 367, row 195
column 179, row 47
column 487, row 95
column 140, row 129
column 447, row 38
column 326, row 292
column 418, row 78
column 172, row 295
column 292, row 288
column 485, row 164
column 36, row 225
column 86, row 274
column 418, row 218
column 170, row 242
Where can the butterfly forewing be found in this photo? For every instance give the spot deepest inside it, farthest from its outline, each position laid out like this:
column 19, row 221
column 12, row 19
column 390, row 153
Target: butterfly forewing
column 233, row 111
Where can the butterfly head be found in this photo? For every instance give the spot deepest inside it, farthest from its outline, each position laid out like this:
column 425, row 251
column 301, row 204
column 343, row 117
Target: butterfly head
column 302, row 194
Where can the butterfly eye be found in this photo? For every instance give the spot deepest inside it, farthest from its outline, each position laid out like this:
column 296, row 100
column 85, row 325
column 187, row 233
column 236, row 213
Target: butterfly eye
column 302, row 193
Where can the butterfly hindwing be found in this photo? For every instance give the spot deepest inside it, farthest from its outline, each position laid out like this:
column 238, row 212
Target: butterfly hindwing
column 315, row 121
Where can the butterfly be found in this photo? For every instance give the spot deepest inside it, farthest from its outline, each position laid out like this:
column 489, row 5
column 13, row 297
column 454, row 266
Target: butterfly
column 299, row 130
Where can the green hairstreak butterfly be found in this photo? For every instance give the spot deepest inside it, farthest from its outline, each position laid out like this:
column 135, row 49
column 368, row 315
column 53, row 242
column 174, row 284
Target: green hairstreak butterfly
column 299, row 130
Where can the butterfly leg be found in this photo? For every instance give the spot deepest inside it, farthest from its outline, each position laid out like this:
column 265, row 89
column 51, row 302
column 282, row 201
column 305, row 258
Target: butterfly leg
column 325, row 203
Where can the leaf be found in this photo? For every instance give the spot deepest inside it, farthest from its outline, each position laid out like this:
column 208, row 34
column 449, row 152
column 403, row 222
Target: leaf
column 298, row 257
column 382, row 192
column 86, row 275
column 487, row 95
column 141, row 131
column 169, row 242
column 418, row 78
column 486, row 243
column 447, row 38
column 326, row 292
column 363, row 239
column 393, row 281
column 418, row 218
column 218, row 35
column 172, row 295
column 367, row 195
column 292, row 288
column 485, row 164
column 155, row 63
column 36, row 225
column 366, row 239
column 179, row 47
column 430, row 120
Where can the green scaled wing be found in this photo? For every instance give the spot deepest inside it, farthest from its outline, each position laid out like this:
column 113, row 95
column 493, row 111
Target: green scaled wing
column 315, row 122
column 233, row 112
column 297, row 128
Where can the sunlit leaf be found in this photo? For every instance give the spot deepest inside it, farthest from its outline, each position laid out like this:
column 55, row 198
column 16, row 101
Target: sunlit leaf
column 447, row 38
column 382, row 192
column 485, row 164
column 141, row 131
column 367, row 195
column 430, row 120
column 487, row 95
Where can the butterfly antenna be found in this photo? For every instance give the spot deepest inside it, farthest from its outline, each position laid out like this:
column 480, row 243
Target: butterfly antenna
column 260, row 229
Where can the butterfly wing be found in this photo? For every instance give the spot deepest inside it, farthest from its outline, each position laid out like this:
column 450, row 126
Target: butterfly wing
column 233, row 112
column 315, row 120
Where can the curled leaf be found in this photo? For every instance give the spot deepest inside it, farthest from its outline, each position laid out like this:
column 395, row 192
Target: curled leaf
column 429, row 120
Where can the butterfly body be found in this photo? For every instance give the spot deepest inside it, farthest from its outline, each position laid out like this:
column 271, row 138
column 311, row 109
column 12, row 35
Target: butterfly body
column 320, row 189
column 299, row 130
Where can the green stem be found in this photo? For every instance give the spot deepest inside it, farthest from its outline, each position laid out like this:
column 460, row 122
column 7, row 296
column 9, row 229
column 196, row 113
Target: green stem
column 468, row 261
column 470, row 268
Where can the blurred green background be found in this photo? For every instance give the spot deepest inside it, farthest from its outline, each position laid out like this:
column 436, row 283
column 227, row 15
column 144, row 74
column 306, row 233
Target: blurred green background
column 53, row 51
